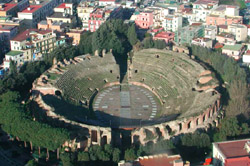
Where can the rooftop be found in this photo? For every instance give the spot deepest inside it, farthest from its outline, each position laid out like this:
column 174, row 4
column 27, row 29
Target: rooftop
column 7, row 28
column 31, row 9
column 25, row 34
column 226, row 35
column 6, row 6
column 60, row 15
column 235, row 47
column 165, row 34
column 232, row 149
column 14, row 53
column 63, row 5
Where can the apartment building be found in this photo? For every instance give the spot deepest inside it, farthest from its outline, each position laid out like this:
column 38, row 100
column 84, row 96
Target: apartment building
column 35, row 43
column 144, row 20
column 106, row 2
column 224, row 15
column 7, row 33
column 84, row 11
column 61, row 19
column 96, row 19
column 8, row 9
column 75, row 35
column 37, row 10
column 172, row 23
column 235, row 51
column 203, row 42
column 210, row 32
column 239, row 30
column 226, row 38
column 202, row 8
column 185, row 35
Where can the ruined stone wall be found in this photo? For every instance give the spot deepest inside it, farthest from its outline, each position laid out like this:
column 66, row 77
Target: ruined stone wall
column 180, row 49
column 168, row 129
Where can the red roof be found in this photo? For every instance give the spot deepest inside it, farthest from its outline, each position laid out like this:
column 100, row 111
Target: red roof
column 165, row 34
column 31, row 9
column 159, row 161
column 25, row 34
column 242, row 161
column 63, row 5
column 7, row 6
column 232, row 149
column 218, row 45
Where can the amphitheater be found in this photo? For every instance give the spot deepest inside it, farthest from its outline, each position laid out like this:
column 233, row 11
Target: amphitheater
column 163, row 93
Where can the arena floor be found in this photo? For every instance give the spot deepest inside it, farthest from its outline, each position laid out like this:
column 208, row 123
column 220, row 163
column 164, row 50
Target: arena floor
column 127, row 108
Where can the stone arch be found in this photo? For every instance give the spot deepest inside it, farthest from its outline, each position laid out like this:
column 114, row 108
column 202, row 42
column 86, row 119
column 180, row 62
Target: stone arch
column 189, row 125
column 136, row 139
column 168, row 128
column 158, row 132
column 93, row 136
column 58, row 93
column 180, row 126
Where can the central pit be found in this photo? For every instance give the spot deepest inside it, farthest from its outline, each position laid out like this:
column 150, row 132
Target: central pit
column 126, row 106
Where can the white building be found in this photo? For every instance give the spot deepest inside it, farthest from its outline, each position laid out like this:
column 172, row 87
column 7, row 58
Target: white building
column 210, row 32
column 246, row 57
column 37, row 10
column 15, row 56
column 202, row 8
column 233, row 153
column 203, row 42
column 172, row 23
column 239, row 30
column 106, row 2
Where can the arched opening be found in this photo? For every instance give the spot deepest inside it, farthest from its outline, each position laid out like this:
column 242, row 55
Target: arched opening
column 136, row 71
column 58, row 93
column 136, row 139
column 94, row 136
column 111, row 71
column 168, row 129
column 203, row 119
column 189, row 125
column 158, row 132
column 180, row 126
column 197, row 121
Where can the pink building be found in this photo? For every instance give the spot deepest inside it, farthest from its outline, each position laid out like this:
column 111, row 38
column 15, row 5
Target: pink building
column 167, row 36
column 223, row 20
column 144, row 20
column 96, row 18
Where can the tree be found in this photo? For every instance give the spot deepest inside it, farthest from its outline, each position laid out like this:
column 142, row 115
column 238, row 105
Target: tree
column 238, row 103
column 132, row 36
column 196, row 139
column 159, row 44
column 148, row 42
column 230, row 127
column 66, row 159
column 130, row 155
column 83, row 156
column 116, row 155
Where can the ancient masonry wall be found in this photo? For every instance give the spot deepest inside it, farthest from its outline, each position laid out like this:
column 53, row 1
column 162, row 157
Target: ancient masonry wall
column 168, row 129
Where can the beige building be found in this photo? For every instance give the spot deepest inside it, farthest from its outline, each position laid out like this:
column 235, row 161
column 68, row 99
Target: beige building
column 35, row 43
column 239, row 30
